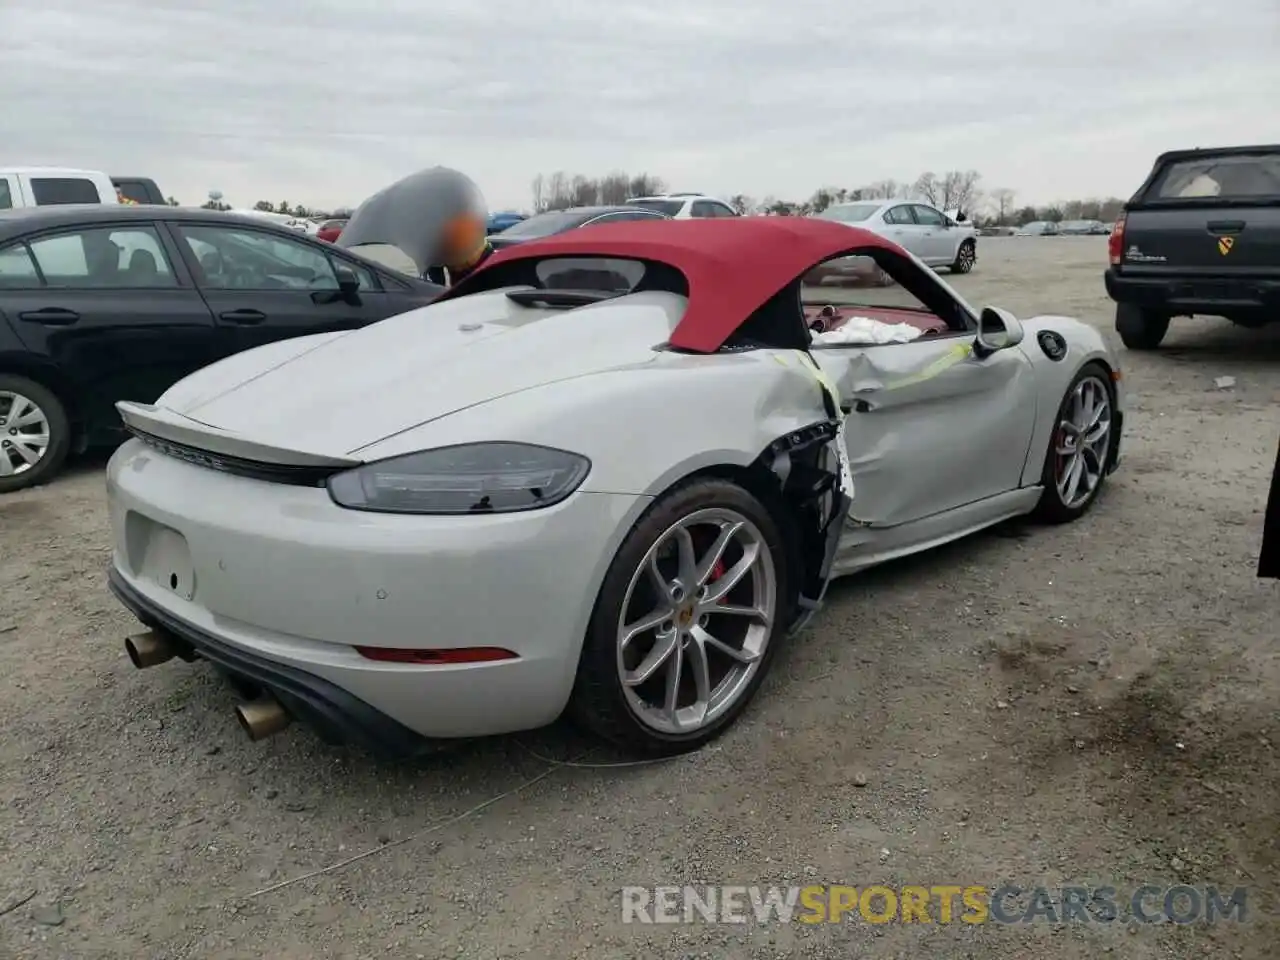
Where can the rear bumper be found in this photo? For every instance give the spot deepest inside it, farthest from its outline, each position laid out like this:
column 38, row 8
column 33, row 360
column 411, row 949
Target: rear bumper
column 1219, row 296
column 337, row 716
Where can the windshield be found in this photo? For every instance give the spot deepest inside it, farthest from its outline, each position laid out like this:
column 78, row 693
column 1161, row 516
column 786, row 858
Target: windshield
column 544, row 224
column 1244, row 176
column 849, row 212
column 669, row 207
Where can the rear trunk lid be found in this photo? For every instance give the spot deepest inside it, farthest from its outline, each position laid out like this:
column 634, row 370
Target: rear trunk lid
column 329, row 401
column 1206, row 212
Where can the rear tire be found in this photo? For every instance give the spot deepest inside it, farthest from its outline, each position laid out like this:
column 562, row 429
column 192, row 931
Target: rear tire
column 1140, row 328
column 633, row 714
column 39, row 408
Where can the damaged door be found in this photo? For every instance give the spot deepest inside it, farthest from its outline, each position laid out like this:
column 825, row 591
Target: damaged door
column 930, row 425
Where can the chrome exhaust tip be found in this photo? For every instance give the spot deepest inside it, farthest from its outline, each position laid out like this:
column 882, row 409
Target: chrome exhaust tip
column 262, row 718
column 148, row 649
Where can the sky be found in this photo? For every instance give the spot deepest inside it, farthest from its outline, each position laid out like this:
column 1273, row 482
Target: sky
column 323, row 102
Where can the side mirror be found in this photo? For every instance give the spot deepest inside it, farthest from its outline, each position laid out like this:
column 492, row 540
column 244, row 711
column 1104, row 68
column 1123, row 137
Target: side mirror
column 348, row 282
column 997, row 330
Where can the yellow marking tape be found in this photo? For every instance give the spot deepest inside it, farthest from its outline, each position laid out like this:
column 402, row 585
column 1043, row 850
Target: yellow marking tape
column 957, row 354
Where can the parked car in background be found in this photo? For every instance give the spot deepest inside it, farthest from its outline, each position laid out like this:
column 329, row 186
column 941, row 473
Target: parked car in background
column 139, row 190
column 918, row 228
column 686, row 206
column 330, row 230
column 1083, row 228
column 1038, row 228
column 558, row 221
column 53, row 186
column 108, row 302
column 1200, row 237
column 501, row 221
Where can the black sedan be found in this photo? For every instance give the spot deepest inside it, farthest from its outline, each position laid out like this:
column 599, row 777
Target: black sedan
column 107, row 303
column 558, row 221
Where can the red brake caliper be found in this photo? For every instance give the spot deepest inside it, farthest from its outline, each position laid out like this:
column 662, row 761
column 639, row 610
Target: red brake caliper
column 716, row 572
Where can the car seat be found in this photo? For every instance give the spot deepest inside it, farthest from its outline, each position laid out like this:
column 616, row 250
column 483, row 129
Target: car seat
column 144, row 271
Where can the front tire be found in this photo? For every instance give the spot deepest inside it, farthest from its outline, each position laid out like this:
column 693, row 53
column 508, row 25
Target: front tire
column 1140, row 329
column 1080, row 448
column 966, row 257
column 687, row 621
column 35, row 434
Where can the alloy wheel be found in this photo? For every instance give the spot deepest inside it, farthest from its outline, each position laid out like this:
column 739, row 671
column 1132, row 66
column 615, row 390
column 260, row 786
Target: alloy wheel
column 696, row 620
column 1083, row 442
column 24, row 434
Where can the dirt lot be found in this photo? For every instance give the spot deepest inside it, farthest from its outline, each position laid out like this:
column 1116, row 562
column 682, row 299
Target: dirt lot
column 1095, row 704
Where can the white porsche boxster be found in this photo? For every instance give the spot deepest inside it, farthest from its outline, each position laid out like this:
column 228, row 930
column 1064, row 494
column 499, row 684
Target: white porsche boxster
column 609, row 473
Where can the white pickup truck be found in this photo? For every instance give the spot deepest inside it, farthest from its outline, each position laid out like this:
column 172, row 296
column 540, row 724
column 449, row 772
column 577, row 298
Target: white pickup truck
column 45, row 186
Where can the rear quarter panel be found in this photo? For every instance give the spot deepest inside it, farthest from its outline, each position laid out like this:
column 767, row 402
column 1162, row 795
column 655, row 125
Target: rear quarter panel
column 647, row 426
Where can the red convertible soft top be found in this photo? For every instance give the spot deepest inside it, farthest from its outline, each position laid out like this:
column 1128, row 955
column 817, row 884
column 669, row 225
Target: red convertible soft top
column 732, row 265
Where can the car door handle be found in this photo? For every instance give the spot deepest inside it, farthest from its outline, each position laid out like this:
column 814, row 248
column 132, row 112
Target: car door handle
column 1218, row 227
column 50, row 316
column 245, row 317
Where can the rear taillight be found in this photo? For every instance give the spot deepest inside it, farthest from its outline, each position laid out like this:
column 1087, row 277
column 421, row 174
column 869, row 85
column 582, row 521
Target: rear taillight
column 1115, row 242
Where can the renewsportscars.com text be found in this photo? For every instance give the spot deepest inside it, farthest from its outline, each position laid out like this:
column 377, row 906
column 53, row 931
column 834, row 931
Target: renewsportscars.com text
column 972, row 904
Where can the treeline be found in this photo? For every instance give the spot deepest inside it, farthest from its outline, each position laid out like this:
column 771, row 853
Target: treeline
column 560, row 190
column 284, row 207
column 951, row 190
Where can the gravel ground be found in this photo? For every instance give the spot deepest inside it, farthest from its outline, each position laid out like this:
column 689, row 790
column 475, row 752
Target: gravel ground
column 1095, row 704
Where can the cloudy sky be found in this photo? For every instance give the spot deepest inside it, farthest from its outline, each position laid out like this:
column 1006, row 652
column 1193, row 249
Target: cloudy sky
column 324, row 101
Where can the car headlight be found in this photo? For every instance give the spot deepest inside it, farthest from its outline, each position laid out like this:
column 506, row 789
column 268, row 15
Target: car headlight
column 495, row 477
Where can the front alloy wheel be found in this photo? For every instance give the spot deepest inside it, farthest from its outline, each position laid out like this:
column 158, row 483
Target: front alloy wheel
column 1081, row 449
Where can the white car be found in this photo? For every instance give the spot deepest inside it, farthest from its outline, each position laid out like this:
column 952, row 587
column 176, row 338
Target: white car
column 930, row 234
column 686, row 206
column 610, row 472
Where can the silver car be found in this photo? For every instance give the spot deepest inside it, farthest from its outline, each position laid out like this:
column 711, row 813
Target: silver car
column 925, row 231
column 609, row 473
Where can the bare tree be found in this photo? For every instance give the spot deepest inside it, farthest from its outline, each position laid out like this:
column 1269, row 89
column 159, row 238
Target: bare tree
column 742, row 203
column 584, row 191
column 557, row 197
column 929, row 188
column 881, row 190
column 538, row 189
column 646, row 185
column 822, row 198
column 614, row 188
column 1003, row 198
column 959, row 189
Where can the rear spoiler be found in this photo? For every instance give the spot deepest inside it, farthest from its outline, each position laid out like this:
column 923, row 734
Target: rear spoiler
column 148, row 420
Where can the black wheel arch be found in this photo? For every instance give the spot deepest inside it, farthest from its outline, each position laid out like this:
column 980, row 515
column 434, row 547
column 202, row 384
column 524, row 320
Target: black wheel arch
column 794, row 496
column 52, row 379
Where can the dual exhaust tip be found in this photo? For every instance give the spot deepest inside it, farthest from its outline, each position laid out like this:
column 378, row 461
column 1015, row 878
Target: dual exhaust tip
column 259, row 718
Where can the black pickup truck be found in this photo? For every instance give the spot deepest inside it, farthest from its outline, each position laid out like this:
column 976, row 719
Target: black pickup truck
column 1200, row 237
